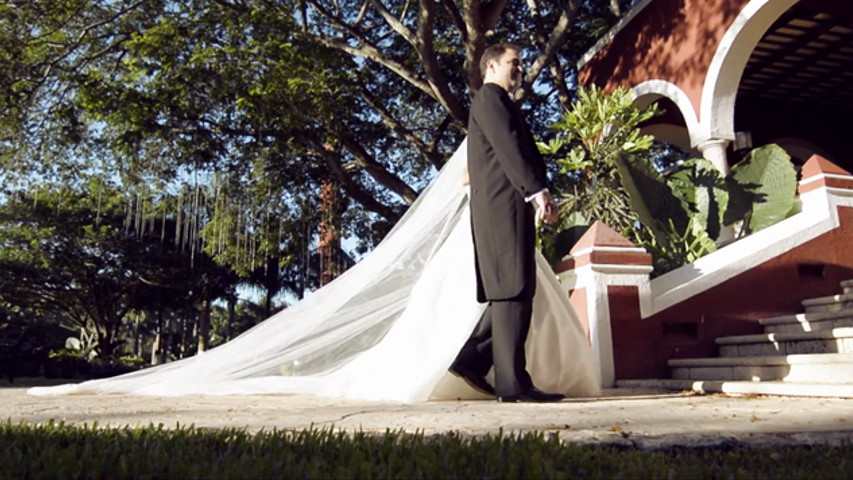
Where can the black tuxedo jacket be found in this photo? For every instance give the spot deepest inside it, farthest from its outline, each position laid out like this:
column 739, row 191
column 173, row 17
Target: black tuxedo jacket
column 505, row 167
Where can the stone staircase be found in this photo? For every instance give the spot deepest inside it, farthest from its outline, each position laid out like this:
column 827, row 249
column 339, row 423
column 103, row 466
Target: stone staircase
column 807, row 354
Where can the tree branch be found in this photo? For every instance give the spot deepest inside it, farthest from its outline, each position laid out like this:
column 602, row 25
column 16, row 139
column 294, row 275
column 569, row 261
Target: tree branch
column 85, row 31
column 476, row 27
column 564, row 96
column 555, row 40
column 376, row 170
column 492, row 13
column 436, row 85
column 435, row 75
column 427, row 151
column 394, row 23
column 353, row 189
column 439, row 133
column 369, row 52
column 456, row 18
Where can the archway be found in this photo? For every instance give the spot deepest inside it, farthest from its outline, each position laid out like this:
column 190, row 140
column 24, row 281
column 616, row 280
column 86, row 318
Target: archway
column 783, row 71
column 678, row 123
column 727, row 66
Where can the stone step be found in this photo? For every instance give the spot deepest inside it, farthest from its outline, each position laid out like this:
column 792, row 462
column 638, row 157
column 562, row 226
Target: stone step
column 808, row 322
column 813, row 368
column 832, row 303
column 847, row 286
column 798, row 389
column 838, row 340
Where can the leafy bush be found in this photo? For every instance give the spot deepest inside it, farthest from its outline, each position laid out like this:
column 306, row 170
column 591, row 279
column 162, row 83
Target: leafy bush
column 687, row 211
column 86, row 344
column 613, row 177
column 66, row 363
column 134, row 362
column 589, row 138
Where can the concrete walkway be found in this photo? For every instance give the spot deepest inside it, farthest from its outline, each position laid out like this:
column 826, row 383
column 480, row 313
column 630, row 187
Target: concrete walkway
column 645, row 419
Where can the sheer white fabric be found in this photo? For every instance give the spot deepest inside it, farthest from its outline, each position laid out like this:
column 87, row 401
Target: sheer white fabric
column 387, row 329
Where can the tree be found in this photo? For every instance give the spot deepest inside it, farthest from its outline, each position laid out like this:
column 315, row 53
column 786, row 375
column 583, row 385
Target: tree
column 163, row 84
column 245, row 109
column 591, row 137
column 70, row 253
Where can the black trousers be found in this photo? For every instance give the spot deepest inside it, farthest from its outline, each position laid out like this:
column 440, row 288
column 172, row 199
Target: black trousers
column 499, row 340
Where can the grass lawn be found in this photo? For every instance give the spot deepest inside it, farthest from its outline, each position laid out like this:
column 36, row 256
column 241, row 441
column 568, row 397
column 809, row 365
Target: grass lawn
column 61, row 451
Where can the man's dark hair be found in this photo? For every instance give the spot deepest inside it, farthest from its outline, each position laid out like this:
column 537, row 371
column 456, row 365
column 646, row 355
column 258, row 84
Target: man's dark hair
column 495, row 52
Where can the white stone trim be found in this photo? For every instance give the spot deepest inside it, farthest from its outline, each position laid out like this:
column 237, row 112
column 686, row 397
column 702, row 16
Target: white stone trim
column 839, row 192
column 603, row 248
column 822, row 176
column 611, row 34
column 601, row 333
column 594, row 279
column 818, row 216
column 719, row 93
column 631, row 270
column 617, row 274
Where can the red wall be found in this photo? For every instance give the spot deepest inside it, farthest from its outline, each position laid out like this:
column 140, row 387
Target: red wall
column 671, row 40
column 641, row 347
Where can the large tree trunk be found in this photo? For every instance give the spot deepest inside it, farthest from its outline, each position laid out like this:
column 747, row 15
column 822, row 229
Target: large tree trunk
column 157, row 348
column 204, row 323
column 136, row 334
column 188, row 331
column 232, row 315
column 329, row 243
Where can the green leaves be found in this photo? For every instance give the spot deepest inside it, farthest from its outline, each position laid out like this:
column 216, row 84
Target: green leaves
column 699, row 184
column 608, row 175
column 687, row 211
column 605, row 125
column 650, row 197
column 763, row 189
column 593, row 142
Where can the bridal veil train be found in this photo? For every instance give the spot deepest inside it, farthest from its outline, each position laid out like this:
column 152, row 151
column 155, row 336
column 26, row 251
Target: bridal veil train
column 387, row 329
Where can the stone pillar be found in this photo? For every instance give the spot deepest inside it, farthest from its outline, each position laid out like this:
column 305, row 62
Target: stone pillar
column 600, row 262
column 819, row 173
column 714, row 150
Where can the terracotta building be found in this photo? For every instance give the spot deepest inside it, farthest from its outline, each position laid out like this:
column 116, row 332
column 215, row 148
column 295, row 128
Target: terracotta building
column 770, row 313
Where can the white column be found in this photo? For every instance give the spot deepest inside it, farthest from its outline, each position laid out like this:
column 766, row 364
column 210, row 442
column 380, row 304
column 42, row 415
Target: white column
column 714, row 150
column 594, row 279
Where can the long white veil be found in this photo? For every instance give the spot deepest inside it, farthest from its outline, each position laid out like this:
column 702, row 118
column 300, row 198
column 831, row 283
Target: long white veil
column 387, row 329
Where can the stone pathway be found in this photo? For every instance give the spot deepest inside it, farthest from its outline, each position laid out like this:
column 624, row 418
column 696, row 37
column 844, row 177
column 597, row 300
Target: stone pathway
column 647, row 419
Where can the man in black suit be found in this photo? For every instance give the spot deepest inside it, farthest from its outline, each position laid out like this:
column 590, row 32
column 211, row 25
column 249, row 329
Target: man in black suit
column 509, row 193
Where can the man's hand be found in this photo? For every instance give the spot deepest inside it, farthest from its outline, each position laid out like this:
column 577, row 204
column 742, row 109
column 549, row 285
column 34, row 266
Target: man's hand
column 546, row 208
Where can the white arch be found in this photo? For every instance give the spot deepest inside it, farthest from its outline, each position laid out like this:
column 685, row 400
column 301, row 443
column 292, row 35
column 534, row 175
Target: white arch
column 717, row 107
column 650, row 90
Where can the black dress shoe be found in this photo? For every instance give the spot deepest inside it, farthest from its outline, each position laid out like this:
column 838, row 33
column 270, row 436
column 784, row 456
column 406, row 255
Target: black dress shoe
column 533, row 395
column 477, row 382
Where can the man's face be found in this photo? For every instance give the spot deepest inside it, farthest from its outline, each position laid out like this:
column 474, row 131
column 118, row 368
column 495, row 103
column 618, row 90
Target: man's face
column 507, row 70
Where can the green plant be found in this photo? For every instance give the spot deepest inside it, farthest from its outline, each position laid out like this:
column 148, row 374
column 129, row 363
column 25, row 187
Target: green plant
column 133, row 361
column 590, row 138
column 686, row 212
column 609, row 173
column 66, row 363
column 86, row 344
column 763, row 189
